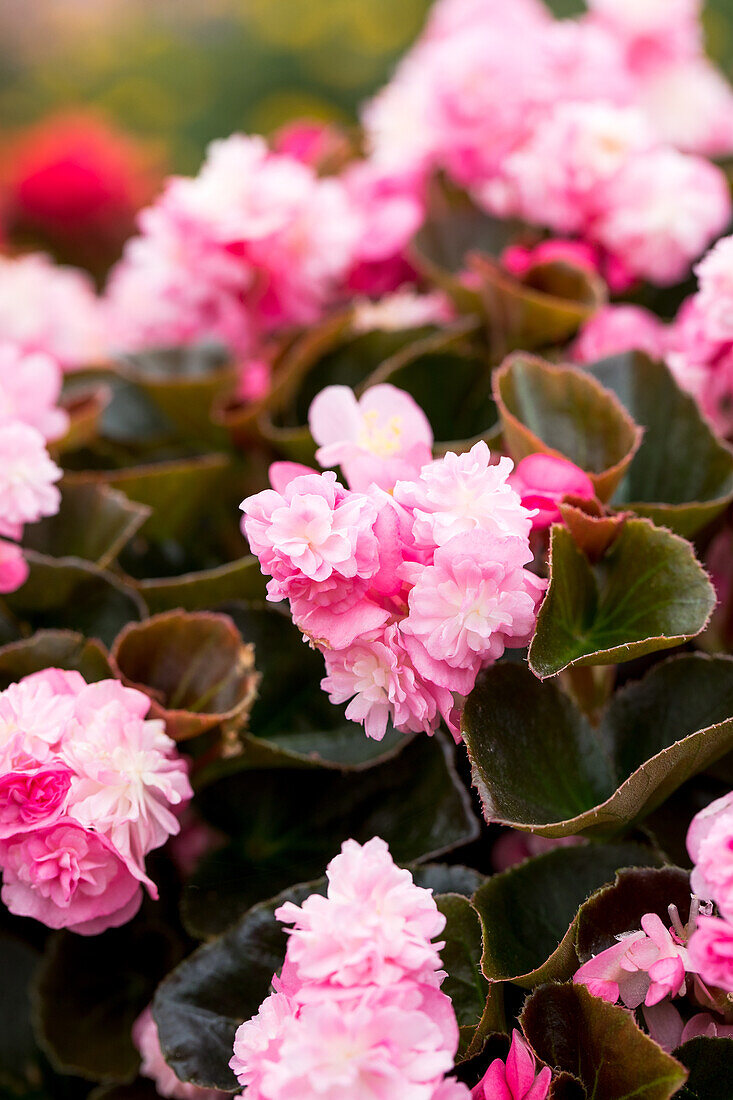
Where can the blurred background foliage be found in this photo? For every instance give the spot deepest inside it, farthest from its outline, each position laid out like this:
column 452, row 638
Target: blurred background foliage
column 178, row 73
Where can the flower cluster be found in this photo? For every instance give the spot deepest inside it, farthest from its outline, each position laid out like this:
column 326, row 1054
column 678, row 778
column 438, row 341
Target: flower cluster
column 409, row 581
column 87, row 789
column 655, row 965
column 357, row 1010
column 569, row 124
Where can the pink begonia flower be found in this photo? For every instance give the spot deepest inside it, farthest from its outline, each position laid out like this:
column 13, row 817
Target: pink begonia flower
column 543, row 480
column 518, row 259
column 27, row 476
column 35, row 719
column 689, row 103
column 460, row 493
column 154, row 1065
column 14, row 568
column 403, row 309
column 68, row 877
column 661, row 211
column 374, row 927
column 50, row 309
column 710, row 845
column 703, row 1023
column 653, row 30
column 31, row 799
column 667, row 1027
column 127, row 772
column 644, row 966
column 30, row 387
column 377, row 675
column 474, row 599
column 617, row 329
column 257, row 1041
column 381, row 438
column 315, row 540
column 711, row 952
column 557, row 175
column 714, row 300
column 516, row 1079
column 255, row 380
column 701, row 366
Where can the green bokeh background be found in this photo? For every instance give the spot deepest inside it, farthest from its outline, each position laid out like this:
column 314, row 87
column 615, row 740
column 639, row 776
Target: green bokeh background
column 181, row 72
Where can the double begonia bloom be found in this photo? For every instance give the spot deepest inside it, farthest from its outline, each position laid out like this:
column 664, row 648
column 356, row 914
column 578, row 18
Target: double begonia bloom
column 27, row 478
column 517, row 1078
column 642, row 968
column 542, row 481
column 710, row 845
column 711, row 952
column 68, row 877
column 715, row 294
column 30, row 387
column 379, row 439
column 154, row 1065
column 375, row 926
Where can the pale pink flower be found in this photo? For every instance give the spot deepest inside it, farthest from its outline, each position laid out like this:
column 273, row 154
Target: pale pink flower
column 710, row 845
column 49, row 309
column 30, row 387
column 644, row 966
column 314, row 539
column 702, row 366
column 32, row 799
column 27, row 476
column 257, row 1041
column 13, row 567
column 68, row 877
column 653, row 30
column 516, row 1079
column 543, row 480
column 387, row 1044
column 714, row 299
column 711, row 952
column 127, row 772
column 475, row 599
column 35, row 719
column 403, row 309
column 378, row 676
column 381, row 438
column 460, row 493
column 374, row 927
column 154, row 1066
column 661, row 211
column 689, row 103
column 617, row 329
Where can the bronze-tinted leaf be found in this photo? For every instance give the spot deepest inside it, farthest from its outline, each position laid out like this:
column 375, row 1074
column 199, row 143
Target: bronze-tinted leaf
column 54, row 649
column 94, row 522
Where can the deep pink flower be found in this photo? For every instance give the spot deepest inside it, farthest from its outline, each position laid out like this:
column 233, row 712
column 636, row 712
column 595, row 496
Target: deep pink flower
column 14, row 568
column 32, row 799
column 516, row 1079
column 68, row 877
column 543, row 480
column 460, row 493
column 381, row 438
column 154, row 1066
column 374, row 927
column 644, row 966
column 518, row 260
column 616, row 329
column 711, row 952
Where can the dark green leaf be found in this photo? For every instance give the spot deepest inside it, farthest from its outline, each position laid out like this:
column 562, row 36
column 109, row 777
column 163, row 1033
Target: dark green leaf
column 539, row 764
column 648, row 592
column 662, row 483
column 528, row 913
column 94, row 522
column 54, row 649
column 18, row 1054
column 414, row 802
column 599, row 1043
column 207, row 589
column 461, row 957
column 564, row 411
column 710, row 1064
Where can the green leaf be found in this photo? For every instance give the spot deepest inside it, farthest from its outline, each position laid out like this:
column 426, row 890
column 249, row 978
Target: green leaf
column 564, row 411
column 648, row 592
column 618, row 908
column 139, row 1089
column 415, row 802
column 94, row 522
column 90, row 990
column 207, row 589
column 600, row 1043
column 461, row 958
column 528, row 913
column 195, row 667
column 54, row 649
column 710, row 1064
column 86, row 407
column 662, row 483
column 18, row 1053
column 539, row 764
column 447, row 878
column 71, row 594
